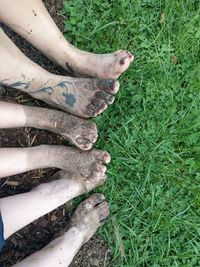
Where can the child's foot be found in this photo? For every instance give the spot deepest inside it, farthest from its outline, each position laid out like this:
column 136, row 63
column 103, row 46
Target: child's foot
column 80, row 182
column 90, row 215
column 103, row 66
column 86, row 97
column 78, row 163
column 80, row 132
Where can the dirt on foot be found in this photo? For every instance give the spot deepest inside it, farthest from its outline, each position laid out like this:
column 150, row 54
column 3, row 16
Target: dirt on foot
column 95, row 253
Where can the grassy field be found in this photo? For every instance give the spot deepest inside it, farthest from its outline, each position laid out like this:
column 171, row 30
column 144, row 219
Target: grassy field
column 152, row 130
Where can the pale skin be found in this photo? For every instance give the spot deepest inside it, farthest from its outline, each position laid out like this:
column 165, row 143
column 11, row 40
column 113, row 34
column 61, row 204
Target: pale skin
column 32, row 21
column 19, row 210
column 76, row 162
column 80, row 132
column 85, row 97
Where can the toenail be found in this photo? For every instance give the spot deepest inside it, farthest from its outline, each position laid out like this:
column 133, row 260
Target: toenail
column 122, row 62
column 103, row 106
column 109, row 99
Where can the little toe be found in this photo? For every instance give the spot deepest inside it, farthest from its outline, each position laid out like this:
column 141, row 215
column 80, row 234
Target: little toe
column 108, row 85
column 102, row 156
column 103, row 211
column 84, row 143
column 90, row 131
column 124, row 59
column 109, row 99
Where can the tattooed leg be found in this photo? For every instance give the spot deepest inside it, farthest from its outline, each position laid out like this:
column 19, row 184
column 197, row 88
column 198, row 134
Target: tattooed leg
column 74, row 161
column 31, row 20
column 82, row 97
column 88, row 217
column 43, row 199
column 80, row 132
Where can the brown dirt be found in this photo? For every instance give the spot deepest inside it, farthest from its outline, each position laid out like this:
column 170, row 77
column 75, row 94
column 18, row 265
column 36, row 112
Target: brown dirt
column 41, row 232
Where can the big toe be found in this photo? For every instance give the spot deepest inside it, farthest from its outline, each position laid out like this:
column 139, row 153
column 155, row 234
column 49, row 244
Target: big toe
column 110, row 86
column 103, row 211
column 122, row 62
column 95, row 200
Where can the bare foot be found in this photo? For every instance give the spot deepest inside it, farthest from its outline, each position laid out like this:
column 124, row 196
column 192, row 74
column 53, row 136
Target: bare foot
column 83, row 184
column 103, row 66
column 80, row 132
column 79, row 163
column 90, row 215
column 86, row 97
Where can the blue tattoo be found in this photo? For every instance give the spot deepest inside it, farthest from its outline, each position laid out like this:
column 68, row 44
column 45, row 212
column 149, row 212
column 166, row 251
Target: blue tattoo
column 48, row 90
column 70, row 99
column 15, row 85
column 63, row 84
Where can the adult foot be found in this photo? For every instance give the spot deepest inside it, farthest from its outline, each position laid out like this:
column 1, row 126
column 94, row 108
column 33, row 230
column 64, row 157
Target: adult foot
column 81, row 163
column 90, row 215
column 103, row 66
column 80, row 132
column 86, row 97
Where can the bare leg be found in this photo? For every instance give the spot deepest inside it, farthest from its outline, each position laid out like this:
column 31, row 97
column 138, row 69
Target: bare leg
column 24, row 208
column 88, row 217
column 76, row 162
column 86, row 97
column 79, row 132
column 32, row 21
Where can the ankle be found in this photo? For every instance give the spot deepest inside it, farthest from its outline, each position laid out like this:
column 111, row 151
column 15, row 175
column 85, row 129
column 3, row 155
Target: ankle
column 75, row 235
column 42, row 156
column 39, row 118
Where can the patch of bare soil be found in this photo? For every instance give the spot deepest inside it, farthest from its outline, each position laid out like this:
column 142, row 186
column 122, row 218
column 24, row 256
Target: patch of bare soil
column 41, row 232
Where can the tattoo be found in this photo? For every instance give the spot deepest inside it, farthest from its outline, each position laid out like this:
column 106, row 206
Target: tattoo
column 48, row 90
column 63, row 84
column 70, row 99
column 17, row 85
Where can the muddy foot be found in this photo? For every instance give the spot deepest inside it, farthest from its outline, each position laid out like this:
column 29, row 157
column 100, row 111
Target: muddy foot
column 80, row 132
column 85, row 164
column 90, row 215
column 84, row 185
column 103, row 66
column 86, row 97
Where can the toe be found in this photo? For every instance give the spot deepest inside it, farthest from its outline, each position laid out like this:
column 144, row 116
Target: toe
column 103, row 211
column 108, row 85
column 124, row 59
column 102, row 156
column 95, row 199
column 84, row 143
column 130, row 56
column 109, row 99
column 93, row 182
column 90, row 131
column 96, row 107
column 99, row 169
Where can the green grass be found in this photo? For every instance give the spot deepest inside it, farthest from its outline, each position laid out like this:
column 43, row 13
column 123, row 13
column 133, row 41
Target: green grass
column 152, row 131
